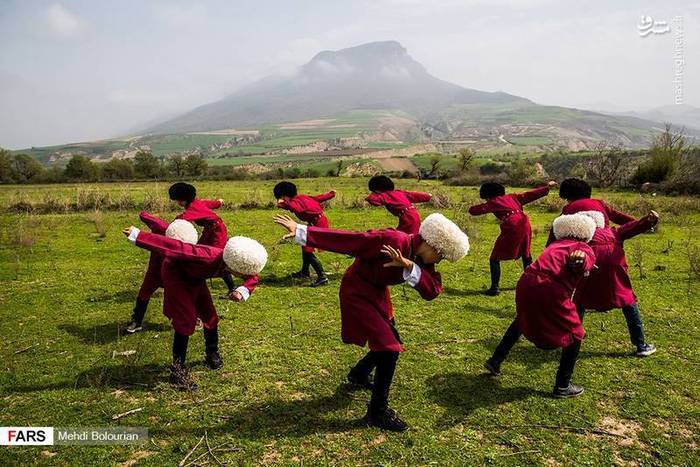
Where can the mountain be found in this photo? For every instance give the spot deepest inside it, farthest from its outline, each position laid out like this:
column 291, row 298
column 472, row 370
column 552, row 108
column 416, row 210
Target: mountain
column 378, row 75
column 681, row 115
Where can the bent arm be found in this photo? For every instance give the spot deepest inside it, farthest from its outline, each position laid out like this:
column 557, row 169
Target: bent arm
column 211, row 203
column 430, row 284
column 619, row 218
column 156, row 224
column 636, row 227
column 532, row 195
column 374, row 199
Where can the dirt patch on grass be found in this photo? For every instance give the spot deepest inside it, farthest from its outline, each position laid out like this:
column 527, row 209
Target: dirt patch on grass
column 306, row 124
column 628, row 430
column 397, row 165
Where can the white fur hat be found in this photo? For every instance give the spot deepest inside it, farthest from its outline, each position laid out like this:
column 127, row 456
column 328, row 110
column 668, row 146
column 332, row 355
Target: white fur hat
column 597, row 216
column 182, row 230
column 244, row 255
column 444, row 235
column 578, row 226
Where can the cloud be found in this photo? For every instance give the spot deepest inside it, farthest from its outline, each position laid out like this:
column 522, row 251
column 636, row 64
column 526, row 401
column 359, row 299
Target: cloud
column 181, row 16
column 63, row 24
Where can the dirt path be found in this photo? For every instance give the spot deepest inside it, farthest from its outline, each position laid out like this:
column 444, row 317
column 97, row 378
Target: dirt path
column 397, row 164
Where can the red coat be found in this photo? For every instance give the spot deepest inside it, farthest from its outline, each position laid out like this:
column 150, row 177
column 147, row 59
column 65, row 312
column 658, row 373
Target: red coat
column 609, row 285
column 200, row 212
column 592, row 204
column 516, row 233
column 308, row 209
column 151, row 281
column 184, row 272
column 545, row 312
column 366, row 313
column 400, row 204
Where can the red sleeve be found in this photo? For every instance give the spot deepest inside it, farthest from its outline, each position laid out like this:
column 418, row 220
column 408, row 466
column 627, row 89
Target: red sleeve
column 211, row 203
column 324, row 196
column 619, row 218
column 418, row 196
column 347, row 242
column 430, row 284
column 480, row 209
column 375, row 199
column 171, row 248
column 532, row 195
column 588, row 262
column 156, row 224
column 635, row 227
column 289, row 206
column 250, row 282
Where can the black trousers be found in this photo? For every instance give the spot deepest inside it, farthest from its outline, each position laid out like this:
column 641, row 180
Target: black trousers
column 180, row 343
column 495, row 269
column 139, row 312
column 310, row 259
column 385, row 364
column 567, row 361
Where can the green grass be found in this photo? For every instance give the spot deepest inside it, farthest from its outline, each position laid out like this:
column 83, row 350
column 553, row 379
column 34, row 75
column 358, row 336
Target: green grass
column 529, row 140
column 280, row 397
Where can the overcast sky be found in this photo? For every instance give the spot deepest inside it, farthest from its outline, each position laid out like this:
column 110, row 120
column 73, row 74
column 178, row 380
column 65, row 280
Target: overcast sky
column 77, row 70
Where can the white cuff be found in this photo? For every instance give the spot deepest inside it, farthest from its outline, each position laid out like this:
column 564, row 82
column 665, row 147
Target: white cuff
column 412, row 276
column 300, row 235
column 245, row 293
column 133, row 234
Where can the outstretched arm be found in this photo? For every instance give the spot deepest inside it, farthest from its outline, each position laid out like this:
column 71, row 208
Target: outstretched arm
column 639, row 226
column 171, row 248
column 212, row 203
column 375, row 199
column 532, row 195
column 480, row 209
column 619, row 218
column 418, row 196
column 156, row 224
column 324, row 196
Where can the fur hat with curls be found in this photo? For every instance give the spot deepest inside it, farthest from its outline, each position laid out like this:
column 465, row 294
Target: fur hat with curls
column 576, row 226
column 597, row 216
column 444, row 235
column 182, row 230
column 244, row 255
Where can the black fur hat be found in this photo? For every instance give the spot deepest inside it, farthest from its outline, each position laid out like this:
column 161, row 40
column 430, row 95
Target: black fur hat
column 182, row 192
column 285, row 189
column 380, row 183
column 572, row 189
column 490, row 190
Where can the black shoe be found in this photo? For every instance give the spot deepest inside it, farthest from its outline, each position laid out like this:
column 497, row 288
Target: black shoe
column 570, row 391
column 365, row 382
column 645, row 350
column 493, row 367
column 385, row 420
column 492, row 292
column 320, row 281
column 214, row 360
column 133, row 327
column 180, row 379
column 299, row 275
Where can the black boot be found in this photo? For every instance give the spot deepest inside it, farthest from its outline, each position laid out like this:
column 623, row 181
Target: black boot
column 211, row 344
column 527, row 261
column 379, row 414
column 136, row 323
column 360, row 374
column 321, row 278
column 179, row 377
column 495, row 269
column 511, row 336
column 563, row 388
column 228, row 280
column 305, row 263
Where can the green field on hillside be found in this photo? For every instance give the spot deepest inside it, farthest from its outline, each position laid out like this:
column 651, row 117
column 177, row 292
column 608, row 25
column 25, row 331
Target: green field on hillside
column 69, row 280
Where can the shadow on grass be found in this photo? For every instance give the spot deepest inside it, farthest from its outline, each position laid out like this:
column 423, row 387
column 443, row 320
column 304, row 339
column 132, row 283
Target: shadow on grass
column 125, row 376
column 123, row 296
column 287, row 281
column 107, row 332
column 460, row 394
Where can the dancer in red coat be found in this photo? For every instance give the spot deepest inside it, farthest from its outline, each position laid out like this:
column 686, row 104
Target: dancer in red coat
column 152, row 280
column 308, row 209
column 577, row 193
column 514, row 240
column 185, row 268
column 609, row 285
column 397, row 202
column 199, row 211
column 546, row 315
column 382, row 258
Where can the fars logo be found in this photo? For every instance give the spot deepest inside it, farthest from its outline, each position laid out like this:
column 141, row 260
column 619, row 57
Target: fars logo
column 26, row 436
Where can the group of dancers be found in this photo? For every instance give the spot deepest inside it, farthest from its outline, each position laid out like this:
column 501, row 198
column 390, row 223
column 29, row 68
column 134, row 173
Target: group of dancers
column 582, row 267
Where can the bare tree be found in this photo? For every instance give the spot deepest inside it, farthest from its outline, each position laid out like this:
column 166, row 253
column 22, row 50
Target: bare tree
column 608, row 165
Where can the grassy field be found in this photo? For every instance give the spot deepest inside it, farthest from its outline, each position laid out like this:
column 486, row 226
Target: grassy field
column 69, row 280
